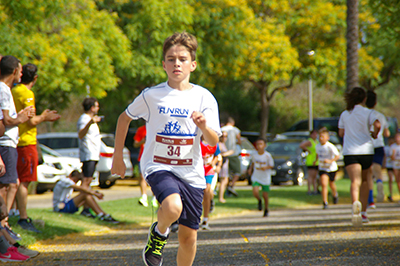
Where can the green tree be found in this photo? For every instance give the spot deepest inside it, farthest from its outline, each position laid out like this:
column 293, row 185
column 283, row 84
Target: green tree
column 74, row 45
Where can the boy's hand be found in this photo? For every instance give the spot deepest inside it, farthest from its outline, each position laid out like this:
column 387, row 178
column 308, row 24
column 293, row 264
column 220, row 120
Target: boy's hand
column 118, row 167
column 99, row 195
column 50, row 115
column 199, row 119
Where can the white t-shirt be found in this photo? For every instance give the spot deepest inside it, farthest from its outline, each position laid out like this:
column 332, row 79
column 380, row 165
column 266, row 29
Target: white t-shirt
column 395, row 149
column 89, row 145
column 173, row 139
column 379, row 141
column 388, row 154
column 327, row 151
column 10, row 137
column 260, row 160
column 62, row 192
column 357, row 137
column 231, row 140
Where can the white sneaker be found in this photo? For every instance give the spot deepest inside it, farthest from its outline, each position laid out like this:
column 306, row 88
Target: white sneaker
column 204, row 225
column 379, row 187
column 356, row 218
column 143, row 201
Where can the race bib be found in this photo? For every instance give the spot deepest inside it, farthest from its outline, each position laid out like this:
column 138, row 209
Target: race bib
column 173, row 150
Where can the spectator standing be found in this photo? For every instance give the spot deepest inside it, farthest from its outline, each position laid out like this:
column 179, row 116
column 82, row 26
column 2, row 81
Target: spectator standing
column 311, row 161
column 27, row 150
column 379, row 153
column 327, row 155
column 11, row 71
column 138, row 141
column 62, row 201
column 177, row 113
column 224, row 172
column 358, row 150
column 233, row 142
column 89, row 143
column 260, row 170
column 389, row 168
column 395, row 155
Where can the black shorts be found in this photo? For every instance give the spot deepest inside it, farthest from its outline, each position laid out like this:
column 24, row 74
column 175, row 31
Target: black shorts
column 389, row 169
column 88, row 168
column 331, row 175
column 379, row 155
column 315, row 167
column 165, row 183
column 364, row 160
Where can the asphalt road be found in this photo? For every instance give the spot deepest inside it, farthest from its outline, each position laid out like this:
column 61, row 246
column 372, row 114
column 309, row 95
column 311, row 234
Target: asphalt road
column 287, row 237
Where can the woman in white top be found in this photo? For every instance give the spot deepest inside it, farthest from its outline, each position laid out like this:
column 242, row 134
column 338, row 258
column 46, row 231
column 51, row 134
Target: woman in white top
column 358, row 149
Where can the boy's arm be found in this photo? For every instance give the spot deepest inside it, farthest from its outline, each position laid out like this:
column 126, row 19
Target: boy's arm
column 209, row 135
column 118, row 165
column 305, row 144
column 83, row 131
column 88, row 191
column 2, row 167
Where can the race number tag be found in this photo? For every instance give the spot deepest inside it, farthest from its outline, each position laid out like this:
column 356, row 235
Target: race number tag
column 173, row 150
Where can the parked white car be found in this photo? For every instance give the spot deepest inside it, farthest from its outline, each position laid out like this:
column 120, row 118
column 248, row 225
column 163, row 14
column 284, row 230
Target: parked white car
column 54, row 167
column 67, row 144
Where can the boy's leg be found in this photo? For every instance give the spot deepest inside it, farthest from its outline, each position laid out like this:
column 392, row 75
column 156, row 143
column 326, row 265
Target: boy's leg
column 187, row 245
column 207, row 201
column 364, row 189
column 397, row 177
column 265, row 196
column 222, row 187
column 390, row 181
column 324, row 184
column 256, row 192
column 169, row 211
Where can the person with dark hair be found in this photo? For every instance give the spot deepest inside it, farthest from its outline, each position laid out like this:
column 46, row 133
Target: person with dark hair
column 260, row 170
column 27, row 150
column 355, row 124
column 64, row 203
column 89, row 143
column 309, row 146
column 11, row 71
column 379, row 152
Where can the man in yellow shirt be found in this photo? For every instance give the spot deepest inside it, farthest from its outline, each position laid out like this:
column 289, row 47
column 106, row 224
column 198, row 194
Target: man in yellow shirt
column 27, row 150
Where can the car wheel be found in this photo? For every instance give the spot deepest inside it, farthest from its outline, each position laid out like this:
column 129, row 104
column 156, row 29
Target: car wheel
column 106, row 184
column 40, row 190
column 299, row 177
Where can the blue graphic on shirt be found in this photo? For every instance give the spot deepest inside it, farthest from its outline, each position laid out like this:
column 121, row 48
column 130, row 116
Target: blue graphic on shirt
column 174, row 129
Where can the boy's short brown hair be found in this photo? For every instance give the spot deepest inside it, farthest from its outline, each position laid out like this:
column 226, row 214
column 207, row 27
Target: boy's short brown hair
column 77, row 174
column 323, row 130
column 184, row 39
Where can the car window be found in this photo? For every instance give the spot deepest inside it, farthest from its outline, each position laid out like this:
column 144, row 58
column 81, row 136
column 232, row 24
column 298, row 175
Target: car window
column 60, row 143
column 246, row 144
column 109, row 141
column 48, row 151
column 283, row 148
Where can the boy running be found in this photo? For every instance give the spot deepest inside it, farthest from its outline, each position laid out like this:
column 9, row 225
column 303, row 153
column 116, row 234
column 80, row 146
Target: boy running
column 327, row 154
column 261, row 165
column 177, row 114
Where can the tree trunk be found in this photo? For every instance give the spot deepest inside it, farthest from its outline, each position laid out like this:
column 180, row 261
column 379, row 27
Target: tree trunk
column 352, row 44
column 264, row 111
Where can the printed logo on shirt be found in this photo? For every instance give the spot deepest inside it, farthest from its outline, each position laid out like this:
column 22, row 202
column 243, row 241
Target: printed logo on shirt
column 173, row 112
column 175, row 129
column 29, row 100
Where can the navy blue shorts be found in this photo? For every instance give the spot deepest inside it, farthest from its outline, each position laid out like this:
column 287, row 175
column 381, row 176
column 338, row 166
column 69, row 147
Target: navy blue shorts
column 165, row 183
column 364, row 160
column 379, row 155
column 88, row 168
column 69, row 207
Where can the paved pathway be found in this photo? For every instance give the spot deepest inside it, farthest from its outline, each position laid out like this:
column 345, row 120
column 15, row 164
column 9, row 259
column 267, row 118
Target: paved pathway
column 287, row 237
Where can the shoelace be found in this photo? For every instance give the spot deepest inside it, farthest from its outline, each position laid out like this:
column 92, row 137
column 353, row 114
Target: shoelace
column 158, row 245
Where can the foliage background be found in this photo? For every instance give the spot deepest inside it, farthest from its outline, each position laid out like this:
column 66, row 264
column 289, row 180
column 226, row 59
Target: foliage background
column 252, row 54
